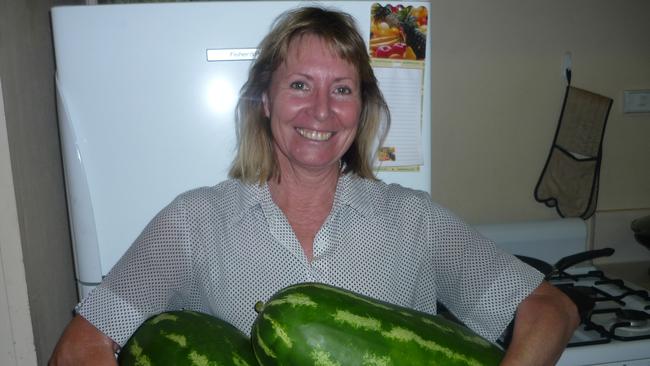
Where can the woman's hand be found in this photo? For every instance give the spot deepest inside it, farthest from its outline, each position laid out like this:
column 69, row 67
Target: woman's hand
column 83, row 344
column 544, row 324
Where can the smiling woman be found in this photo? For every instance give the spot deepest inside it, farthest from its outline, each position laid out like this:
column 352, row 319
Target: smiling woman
column 314, row 104
column 335, row 37
column 302, row 205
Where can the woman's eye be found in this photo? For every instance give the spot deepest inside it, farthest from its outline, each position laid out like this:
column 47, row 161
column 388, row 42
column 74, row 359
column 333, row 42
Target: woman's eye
column 299, row 85
column 343, row 90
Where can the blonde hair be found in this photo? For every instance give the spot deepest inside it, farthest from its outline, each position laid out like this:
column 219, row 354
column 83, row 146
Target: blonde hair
column 255, row 157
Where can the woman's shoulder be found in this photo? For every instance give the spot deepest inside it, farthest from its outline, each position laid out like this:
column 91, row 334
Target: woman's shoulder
column 387, row 191
column 392, row 196
column 408, row 205
column 227, row 197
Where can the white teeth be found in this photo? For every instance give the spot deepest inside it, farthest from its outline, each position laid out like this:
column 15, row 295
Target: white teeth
column 314, row 135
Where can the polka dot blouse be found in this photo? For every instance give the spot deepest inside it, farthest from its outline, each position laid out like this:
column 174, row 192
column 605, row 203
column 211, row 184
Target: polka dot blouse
column 221, row 249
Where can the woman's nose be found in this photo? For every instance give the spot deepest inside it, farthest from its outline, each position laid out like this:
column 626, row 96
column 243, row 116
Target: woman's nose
column 322, row 106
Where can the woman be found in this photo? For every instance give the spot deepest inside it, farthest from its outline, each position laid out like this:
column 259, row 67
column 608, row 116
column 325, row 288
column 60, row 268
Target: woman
column 303, row 205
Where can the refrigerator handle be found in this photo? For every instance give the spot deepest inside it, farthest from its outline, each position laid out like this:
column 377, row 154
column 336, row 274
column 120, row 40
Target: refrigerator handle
column 80, row 206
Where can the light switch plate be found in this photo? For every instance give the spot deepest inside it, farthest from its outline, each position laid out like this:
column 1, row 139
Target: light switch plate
column 636, row 101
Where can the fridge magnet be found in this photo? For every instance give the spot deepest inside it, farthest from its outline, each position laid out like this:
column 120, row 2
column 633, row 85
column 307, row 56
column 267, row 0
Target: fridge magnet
column 398, row 32
column 386, row 154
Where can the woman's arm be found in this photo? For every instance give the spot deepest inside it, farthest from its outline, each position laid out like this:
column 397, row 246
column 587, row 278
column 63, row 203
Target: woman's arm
column 83, row 344
column 544, row 323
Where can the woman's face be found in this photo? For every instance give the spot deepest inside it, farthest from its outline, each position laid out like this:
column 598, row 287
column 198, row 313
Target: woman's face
column 314, row 104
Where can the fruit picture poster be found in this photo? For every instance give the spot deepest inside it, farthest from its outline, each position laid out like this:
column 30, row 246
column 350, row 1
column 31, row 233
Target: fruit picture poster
column 397, row 47
column 398, row 32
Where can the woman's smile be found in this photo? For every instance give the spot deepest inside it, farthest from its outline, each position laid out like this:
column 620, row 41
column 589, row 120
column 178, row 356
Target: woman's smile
column 314, row 135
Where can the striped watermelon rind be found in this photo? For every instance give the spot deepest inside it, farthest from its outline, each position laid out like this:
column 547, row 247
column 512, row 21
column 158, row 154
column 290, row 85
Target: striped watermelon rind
column 187, row 338
column 321, row 325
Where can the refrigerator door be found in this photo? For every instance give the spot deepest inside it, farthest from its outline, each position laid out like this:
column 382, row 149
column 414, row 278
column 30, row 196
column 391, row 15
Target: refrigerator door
column 146, row 106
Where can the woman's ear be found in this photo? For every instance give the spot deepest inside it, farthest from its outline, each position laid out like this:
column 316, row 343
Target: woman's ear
column 265, row 104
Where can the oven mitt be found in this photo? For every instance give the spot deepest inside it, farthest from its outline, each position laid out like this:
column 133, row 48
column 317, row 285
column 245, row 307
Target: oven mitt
column 569, row 180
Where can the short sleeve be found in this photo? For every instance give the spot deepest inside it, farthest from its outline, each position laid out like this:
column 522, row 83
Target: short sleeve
column 478, row 282
column 153, row 275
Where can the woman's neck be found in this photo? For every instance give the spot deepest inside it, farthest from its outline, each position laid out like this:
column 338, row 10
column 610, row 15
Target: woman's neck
column 305, row 190
column 306, row 199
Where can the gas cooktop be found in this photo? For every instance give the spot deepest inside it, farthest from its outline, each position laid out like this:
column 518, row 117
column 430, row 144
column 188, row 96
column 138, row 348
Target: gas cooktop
column 617, row 330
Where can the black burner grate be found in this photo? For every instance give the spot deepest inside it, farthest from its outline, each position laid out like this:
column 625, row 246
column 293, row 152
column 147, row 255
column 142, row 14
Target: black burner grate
column 610, row 296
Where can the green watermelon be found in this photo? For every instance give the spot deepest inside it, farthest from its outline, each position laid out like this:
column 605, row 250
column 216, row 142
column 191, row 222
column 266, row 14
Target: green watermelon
column 316, row 324
column 187, row 338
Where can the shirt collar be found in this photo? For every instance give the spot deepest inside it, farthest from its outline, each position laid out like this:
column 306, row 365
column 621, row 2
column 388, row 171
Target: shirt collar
column 248, row 196
column 354, row 192
column 351, row 191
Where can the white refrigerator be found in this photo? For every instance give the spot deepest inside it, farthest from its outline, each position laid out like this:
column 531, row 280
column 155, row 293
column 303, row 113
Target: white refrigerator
column 146, row 96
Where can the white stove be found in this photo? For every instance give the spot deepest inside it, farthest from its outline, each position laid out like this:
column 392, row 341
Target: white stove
column 617, row 330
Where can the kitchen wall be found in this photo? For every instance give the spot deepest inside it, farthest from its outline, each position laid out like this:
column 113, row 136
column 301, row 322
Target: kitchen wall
column 497, row 92
column 16, row 337
column 35, row 237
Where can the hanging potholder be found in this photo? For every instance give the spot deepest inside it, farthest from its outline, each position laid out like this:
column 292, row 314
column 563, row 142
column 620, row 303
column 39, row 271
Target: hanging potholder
column 569, row 180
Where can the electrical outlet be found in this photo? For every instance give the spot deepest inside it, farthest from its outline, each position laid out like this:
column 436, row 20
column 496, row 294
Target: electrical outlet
column 636, row 101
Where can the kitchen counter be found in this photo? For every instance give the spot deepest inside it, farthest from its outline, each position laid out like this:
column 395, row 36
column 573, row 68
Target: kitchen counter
column 634, row 272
